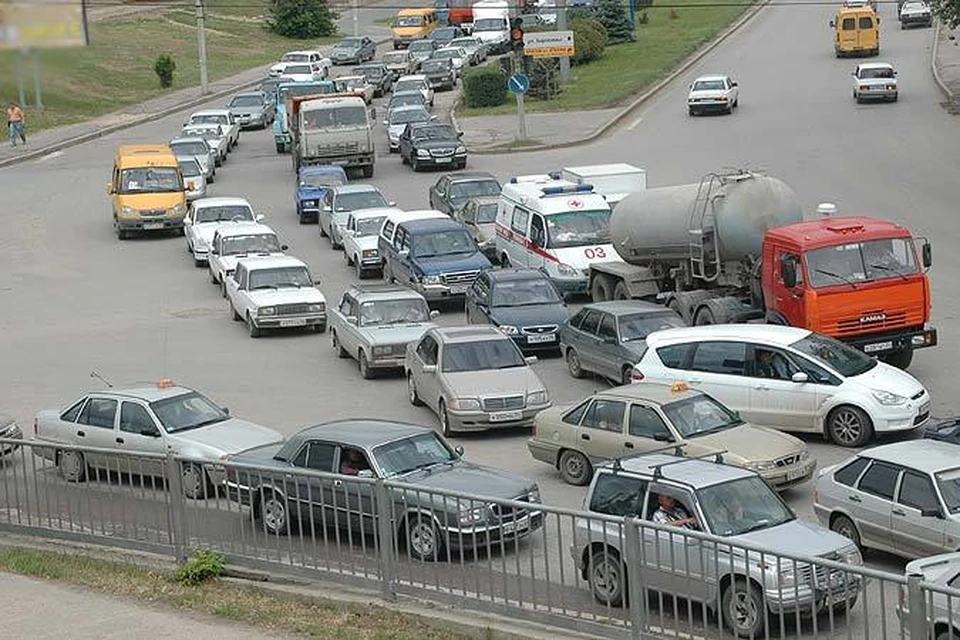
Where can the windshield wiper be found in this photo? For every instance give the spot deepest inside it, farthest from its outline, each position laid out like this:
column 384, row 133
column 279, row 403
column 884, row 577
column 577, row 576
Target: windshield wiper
column 883, row 267
column 513, row 366
column 204, row 423
column 288, row 284
column 837, row 276
column 264, row 286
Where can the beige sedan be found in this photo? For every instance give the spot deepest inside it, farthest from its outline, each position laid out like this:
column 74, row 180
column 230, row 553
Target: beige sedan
column 636, row 419
column 358, row 86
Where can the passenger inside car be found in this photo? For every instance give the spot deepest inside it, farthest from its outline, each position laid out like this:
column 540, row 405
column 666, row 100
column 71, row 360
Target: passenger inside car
column 771, row 365
column 670, row 511
column 353, row 462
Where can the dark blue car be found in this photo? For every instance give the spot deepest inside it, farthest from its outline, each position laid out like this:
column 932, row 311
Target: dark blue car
column 312, row 184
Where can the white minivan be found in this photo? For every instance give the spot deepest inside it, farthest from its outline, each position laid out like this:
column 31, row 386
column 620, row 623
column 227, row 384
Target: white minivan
column 788, row 378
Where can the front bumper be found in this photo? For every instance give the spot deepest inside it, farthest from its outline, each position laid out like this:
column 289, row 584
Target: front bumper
column 201, row 255
column 252, row 122
column 485, row 420
column 150, row 224
column 781, row 478
column 386, row 362
column 883, row 344
column 445, row 161
column 197, row 193
column 441, row 83
column 808, row 600
column 536, row 341
column 311, row 211
column 440, row 291
column 290, row 322
column 476, row 538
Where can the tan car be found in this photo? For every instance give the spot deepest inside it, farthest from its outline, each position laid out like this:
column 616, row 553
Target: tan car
column 637, row 419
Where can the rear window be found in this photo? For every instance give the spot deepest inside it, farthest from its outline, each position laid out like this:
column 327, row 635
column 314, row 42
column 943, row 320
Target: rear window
column 848, row 474
column 849, row 24
column 866, row 23
column 674, row 356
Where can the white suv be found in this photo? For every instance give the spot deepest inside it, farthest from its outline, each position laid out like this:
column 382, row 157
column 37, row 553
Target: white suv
column 788, row 378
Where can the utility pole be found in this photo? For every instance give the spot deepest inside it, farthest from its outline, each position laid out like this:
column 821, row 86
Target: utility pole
column 356, row 17
column 202, row 43
column 562, row 26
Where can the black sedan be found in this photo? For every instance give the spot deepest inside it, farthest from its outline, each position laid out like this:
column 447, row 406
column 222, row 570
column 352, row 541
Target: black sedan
column 378, row 75
column 326, row 477
column 432, row 144
column 440, row 74
column 451, row 192
column 522, row 303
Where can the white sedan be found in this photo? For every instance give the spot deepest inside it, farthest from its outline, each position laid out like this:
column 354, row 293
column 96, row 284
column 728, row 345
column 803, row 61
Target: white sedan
column 299, row 57
column 875, row 81
column 457, row 55
column 713, row 93
column 206, row 216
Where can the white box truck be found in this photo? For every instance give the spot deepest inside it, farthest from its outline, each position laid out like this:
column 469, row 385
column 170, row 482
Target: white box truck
column 491, row 23
column 612, row 181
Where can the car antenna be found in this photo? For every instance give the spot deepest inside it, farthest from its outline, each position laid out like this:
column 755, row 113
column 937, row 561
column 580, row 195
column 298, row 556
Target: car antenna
column 97, row 376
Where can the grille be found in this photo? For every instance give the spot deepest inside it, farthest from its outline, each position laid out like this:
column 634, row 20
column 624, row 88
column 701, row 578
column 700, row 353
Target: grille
column 441, row 153
column 152, row 212
column 788, row 461
column 503, row 403
column 821, row 577
column 292, row 309
column 540, row 328
column 507, row 512
column 385, row 350
column 461, row 277
column 921, row 417
column 341, row 147
column 880, row 320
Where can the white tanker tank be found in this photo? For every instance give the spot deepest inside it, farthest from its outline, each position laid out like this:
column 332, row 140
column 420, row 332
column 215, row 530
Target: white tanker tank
column 657, row 226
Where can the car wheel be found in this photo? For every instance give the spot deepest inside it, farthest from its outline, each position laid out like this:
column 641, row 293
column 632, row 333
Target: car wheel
column 575, row 468
column 414, row 164
column 233, row 312
column 273, row 513
column 894, row 98
column 195, row 483
column 337, row 347
column 72, row 466
column 505, row 262
column 573, row 364
column 423, row 538
column 849, row 426
column 412, row 394
column 387, row 273
column 280, row 147
column 348, row 259
column 254, row 329
column 844, row 526
column 444, row 419
column 692, row 111
column 606, row 577
column 365, row 371
column 743, row 609
column 213, row 277
column 322, row 231
column 358, row 268
column 197, row 262
column 223, row 289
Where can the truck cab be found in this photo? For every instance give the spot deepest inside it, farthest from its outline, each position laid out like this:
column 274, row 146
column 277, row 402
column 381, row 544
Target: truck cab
column 861, row 280
column 335, row 130
column 286, row 91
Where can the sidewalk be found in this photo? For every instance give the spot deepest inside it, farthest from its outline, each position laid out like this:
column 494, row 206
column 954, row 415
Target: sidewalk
column 46, row 609
column 946, row 64
column 497, row 133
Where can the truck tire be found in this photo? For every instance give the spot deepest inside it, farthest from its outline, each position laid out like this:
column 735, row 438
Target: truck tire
column 899, row 359
column 602, row 288
column 368, row 171
column 704, row 317
column 620, row 292
column 280, row 147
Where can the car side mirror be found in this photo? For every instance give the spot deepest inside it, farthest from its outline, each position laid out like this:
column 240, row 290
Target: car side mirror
column 531, row 359
column 429, row 368
column 284, row 247
column 226, row 410
column 392, row 203
column 316, row 282
column 459, row 134
column 926, row 255
column 788, row 271
column 459, row 451
column 734, row 84
column 351, row 319
column 150, row 432
column 373, row 113
column 932, row 513
column 434, row 314
column 215, row 251
column 259, row 217
column 800, row 377
column 109, row 189
column 432, row 118
column 386, row 123
column 662, row 437
column 833, row 24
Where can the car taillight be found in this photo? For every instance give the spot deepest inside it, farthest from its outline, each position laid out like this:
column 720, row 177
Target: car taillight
column 635, row 376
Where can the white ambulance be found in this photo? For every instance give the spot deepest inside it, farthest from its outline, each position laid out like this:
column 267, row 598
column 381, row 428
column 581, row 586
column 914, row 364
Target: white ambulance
column 544, row 222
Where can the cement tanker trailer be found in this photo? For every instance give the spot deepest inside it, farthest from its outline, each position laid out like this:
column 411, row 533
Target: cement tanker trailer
column 735, row 247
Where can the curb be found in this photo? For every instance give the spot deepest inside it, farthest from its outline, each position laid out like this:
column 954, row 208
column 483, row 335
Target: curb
column 603, row 130
column 933, row 65
column 135, row 122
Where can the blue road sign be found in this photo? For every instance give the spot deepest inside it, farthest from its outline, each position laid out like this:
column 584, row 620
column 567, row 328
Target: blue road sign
column 518, row 83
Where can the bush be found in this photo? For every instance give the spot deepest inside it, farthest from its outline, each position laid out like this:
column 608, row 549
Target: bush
column 202, row 566
column 613, row 16
column 164, row 68
column 580, row 13
column 301, row 19
column 589, row 38
column 485, row 86
column 544, row 78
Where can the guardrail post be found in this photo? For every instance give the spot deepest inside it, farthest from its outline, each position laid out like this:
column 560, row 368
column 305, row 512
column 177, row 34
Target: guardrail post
column 917, row 624
column 386, row 529
column 178, row 520
column 632, row 562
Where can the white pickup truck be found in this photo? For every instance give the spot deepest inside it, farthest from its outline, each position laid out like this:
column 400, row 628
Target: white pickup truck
column 275, row 292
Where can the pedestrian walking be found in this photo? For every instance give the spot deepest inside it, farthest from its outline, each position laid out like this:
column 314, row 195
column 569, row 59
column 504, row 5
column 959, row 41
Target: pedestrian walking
column 15, row 125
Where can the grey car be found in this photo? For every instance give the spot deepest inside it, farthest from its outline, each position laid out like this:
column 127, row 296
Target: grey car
column 354, row 50
column 339, row 201
column 942, row 607
column 252, row 110
column 375, row 323
column 415, row 459
column 378, row 75
column 903, row 498
column 479, row 215
column 11, row 430
column 199, row 149
column 400, row 63
column 725, row 502
column 607, row 338
column 474, row 379
column 440, row 74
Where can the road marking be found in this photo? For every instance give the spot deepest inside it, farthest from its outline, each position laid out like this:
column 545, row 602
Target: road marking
column 634, row 124
column 51, row 156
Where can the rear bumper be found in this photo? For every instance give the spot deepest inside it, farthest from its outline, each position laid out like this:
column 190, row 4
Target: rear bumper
column 885, row 343
column 543, row 451
column 343, row 161
column 877, row 94
column 705, row 107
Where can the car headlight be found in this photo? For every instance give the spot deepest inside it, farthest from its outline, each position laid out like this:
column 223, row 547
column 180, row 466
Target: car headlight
column 760, row 467
column 534, row 495
column 370, row 253
column 887, row 398
column 465, row 404
column 201, row 244
column 538, row 397
column 315, row 308
column 309, row 203
column 461, row 149
column 473, row 516
column 127, row 211
column 423, row 153
column 267, row 311
column 804, row 455
column 508, row 329
column 851, row 555
column 430, row 279
column 567, row 270
column 178, row 210
column 383, row 350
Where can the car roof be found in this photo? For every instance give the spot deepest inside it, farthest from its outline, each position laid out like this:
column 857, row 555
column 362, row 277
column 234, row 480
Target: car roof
column 470, row 333
column 507, row 274
column 875, row 65
column 210, row 112
column 692, row 472
column 361, row 432
column 220, row 202
column 180, row 139
column 470, row 176
column 352, row 77
column 144, row 392
column 425, row 225
column 624, row 307
column 271, row 262
column 300, row 51
column 258, row 94
column 373, row 212
column 654, row 392
column 928, row 456
column 384, row 291
column 322, row 169
column 712, row 76
column 768, row 333
column 409, row 107
column 354, row 188
column 413, row 76
column 244, row 228
column 417, row 214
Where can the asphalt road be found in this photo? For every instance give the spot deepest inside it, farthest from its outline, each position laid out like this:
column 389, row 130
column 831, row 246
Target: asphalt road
column 77, row 300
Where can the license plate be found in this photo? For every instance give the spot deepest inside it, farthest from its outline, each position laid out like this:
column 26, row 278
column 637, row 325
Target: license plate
column 546, row 337
column 506, row 416
column 518, row 525
column 152, row 226
column 458, row 288
column 293, row 322
column 793, row 475
column 878, row 346
column 442, row 160
column 924, row 408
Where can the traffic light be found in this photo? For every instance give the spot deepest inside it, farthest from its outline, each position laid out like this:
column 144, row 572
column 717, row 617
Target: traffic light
column 516, row 34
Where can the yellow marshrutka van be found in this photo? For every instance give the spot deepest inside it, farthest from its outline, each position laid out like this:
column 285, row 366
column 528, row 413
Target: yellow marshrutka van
column 413, row 24
column 857, row 32
column 146, row 190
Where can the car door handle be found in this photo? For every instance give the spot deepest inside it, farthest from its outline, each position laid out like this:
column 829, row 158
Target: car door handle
column 628, row 445
column 695, row 380
column 338, row 483
column 584, row 436
column 854, row 498
column 899, row 512
column 762, row 387
column 81, row 434
column 119, row 440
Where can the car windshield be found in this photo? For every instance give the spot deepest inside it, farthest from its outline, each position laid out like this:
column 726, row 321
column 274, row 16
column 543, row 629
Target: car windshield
column 416, row 84
column 335, row 118
column 255, row 243
column 321, row 180
column 474, row 189
column 444, row 33
column 489, row 24
column 523, row 293
column 877, row 72
column 370, row 226
column 212, row 118
column 349, row 44
column 421, row 47
column 436, row 132
column 384, row 312
column 741, row 506
column 190, row 148
column 222, row 213
column 360, row 200
column 398, row 116
column 295, row 57
column 843, row 359
column 486, row 213
column 446, row 53
column 699, row 415
column 849, row 264
column 395, row 57
column 307, row 89
column 408, row 21
column 405, row 99
column 247, row 101
column 269, row 86
column 577, row 228
column 297, row 70
column 189, row 168
column 433, row 66
column 709, row 85
column 466, row 43
column 443, row 243
column 150, row 180
column 354, row 83
column 638, row 326
column 482, row 355
column 416, row 452
column 278, row 277
column 949, row 483
column 187, row 411
column 207, row 133
column 370, row 72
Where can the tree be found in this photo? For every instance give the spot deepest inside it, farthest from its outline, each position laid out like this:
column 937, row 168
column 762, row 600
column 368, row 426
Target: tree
column 613, row 16
column 301, row 19
column 947, row 10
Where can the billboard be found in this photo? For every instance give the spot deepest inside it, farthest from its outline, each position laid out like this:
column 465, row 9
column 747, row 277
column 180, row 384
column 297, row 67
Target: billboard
column 42, row 24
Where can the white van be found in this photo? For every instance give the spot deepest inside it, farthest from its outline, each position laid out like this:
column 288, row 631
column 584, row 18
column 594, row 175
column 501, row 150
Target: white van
column 491, row 23
column 547, row 223
column 388, row 230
